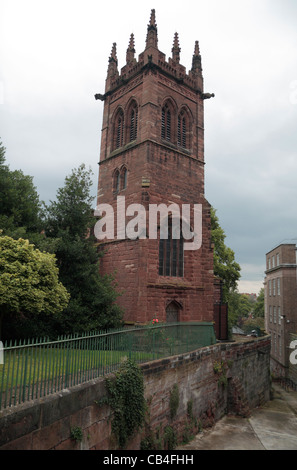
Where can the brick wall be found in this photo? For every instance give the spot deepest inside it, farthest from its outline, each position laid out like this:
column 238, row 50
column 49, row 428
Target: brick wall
column 227, row 377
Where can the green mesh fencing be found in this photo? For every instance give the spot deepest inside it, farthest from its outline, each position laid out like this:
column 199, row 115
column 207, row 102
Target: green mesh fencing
column 35, row 368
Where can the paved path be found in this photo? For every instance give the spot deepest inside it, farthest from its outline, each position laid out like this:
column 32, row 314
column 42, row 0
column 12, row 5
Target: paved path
column 270, row 427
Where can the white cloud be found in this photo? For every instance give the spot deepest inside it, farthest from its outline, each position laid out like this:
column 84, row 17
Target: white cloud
column 250, row 287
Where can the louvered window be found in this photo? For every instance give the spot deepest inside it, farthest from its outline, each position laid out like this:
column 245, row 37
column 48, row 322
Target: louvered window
column 133, row 124
column 182, row 131
column 163, row 123
column 119, row 130
column 166, row 124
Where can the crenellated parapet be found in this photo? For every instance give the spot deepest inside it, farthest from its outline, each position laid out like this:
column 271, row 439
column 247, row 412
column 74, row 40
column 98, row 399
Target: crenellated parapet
column 152, row 57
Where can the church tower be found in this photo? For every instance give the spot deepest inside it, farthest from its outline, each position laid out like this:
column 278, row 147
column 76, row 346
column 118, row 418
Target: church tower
column 152, row 154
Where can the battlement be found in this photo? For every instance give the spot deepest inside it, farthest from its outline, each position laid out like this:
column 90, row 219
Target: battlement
column 152, row 57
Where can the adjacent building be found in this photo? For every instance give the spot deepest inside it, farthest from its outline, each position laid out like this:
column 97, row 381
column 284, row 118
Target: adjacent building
column 281, row 304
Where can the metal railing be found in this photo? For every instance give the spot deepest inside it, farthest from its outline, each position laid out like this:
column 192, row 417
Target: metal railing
column 35, row 368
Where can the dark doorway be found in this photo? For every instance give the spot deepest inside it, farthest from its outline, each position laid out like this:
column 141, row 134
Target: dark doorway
column 172, row 313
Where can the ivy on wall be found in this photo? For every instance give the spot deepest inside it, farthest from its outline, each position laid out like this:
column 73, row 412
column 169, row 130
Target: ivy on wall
column 125, row 396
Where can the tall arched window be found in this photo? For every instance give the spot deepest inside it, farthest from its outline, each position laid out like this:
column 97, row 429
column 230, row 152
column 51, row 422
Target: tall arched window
column 133, row 123
column 166, row 131
column 119, row 129
column 183, row 130
column 171, row 253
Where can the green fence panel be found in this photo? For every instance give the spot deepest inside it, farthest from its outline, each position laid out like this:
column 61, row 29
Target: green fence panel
column 41, row 367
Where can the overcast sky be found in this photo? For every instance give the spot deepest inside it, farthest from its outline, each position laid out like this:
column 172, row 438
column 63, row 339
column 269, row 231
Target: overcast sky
column 54, row 57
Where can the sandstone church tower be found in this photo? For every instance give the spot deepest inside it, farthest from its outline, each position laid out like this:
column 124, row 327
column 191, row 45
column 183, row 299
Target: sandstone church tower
column 152, row 153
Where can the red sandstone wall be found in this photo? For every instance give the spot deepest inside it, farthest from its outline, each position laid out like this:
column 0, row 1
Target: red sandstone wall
column 135, row 263
column 242, row 383
column 158, row 172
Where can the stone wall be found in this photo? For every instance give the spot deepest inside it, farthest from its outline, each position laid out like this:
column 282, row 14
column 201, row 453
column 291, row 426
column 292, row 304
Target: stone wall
column 212, row 381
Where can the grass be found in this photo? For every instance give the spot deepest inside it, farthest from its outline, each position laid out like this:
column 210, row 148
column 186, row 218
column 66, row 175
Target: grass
column 35, row 370
column 64, row 366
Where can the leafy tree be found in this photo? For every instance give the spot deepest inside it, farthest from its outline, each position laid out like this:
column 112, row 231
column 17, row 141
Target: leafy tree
column 225, row 266
column 73, row 211
column 20, row 208
column 250, row 324
column 70, row 220
column 233, row 308
column 29, row 283
column 259, row 305
column 2, row 154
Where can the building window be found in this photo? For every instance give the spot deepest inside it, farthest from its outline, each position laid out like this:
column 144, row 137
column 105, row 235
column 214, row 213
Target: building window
column 270, row 314
column 166, row 131
column 273, row 261
column 269, row 263
column 278, row 286
column 182, row 131
column 279, row 316
column 132, row 122
column 120, row 178
column 171, row 254
column 119, row 130
column 269, row 285
column 277, row 259
column 273, row 282
column 116, row 181
column 124, row 177
column 274, row 314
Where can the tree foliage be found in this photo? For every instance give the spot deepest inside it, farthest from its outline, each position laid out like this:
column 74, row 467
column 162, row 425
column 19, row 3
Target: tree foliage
column 225, row 266
column 63, row 228
column 240, row 306
column 259, row 305
column 20, row 207
column 244, row 311
column 29, row 282
column 70, row 220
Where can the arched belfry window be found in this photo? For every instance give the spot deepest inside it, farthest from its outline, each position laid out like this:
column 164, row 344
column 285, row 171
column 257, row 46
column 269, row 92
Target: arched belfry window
column 119, row 129
column 132, row 122
column 166, row 123
column 183, row 130
column 167, row 120
column 171, row 251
